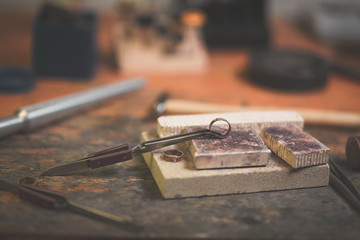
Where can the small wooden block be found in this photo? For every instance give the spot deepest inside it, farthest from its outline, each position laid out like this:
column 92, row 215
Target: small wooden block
column 296, row 147
column 182, row 179
column 242, row 148
column 171, row 125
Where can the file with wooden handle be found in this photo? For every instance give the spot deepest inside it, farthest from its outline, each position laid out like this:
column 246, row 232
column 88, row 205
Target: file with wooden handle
column 311, row 116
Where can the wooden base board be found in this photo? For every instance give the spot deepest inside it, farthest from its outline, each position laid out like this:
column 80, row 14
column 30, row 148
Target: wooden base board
column 182, row 179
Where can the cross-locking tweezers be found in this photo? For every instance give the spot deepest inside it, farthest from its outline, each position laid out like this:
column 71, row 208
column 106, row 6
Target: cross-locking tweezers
column 344, row 186
column 49, row 199
column 123, row 153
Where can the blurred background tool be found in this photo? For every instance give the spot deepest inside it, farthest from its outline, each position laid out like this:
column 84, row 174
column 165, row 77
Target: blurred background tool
column 341, row 183
column 167, row 105
column 285, row 69
column 294, row 70
column 65, row 43
column 192, row 20
column 16, row 80
column 49, row 199
column 335, row 23
column 353, row 152
column 336, row 26
column 235, row 24
column 33, row 116
column 155, row 39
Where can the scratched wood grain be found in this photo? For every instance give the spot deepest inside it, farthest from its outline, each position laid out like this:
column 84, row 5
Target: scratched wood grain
column 128, row 189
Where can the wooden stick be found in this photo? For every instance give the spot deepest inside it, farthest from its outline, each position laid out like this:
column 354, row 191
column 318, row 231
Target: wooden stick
column 311, row 116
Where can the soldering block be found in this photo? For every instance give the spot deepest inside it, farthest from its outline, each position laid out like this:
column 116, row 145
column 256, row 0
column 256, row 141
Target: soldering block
column 296, row 147
column 182, row 179
column 176, row 124
column 243, row 147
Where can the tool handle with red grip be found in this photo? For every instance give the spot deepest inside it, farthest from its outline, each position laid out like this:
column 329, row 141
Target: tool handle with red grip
column 109, row 156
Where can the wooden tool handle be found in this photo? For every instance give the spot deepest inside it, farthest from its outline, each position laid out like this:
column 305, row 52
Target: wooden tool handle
column 37, row 198
column 110, row 156
column 311, row 116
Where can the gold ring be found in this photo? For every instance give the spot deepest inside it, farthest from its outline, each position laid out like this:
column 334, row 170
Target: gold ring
column 173, row 155
column 27, row 180
column 217, row 120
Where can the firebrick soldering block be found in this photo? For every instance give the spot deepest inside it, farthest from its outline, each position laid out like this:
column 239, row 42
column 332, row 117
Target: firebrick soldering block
column 182, row 179
column 296, row 147
column 243, row 147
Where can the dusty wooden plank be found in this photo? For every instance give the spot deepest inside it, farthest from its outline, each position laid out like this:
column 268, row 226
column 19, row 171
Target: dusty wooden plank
column 242, row 148
column 296, row 147
column 182, row 179
column 170, row 125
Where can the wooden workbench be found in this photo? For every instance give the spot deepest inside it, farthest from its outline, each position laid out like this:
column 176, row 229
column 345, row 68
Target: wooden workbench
column 128, row 189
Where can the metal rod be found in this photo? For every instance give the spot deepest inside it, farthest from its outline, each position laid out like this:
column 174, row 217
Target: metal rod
column 33, row 116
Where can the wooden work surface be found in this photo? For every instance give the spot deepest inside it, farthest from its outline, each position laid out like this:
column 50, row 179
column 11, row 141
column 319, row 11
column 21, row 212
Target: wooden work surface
column 128, row 189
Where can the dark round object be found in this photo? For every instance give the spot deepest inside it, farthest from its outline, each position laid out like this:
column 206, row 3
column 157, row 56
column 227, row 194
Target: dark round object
column 173, row 155
column 353, row 152
column 27, row 180
column 288, row 70
column 177, row 37
column 162, row 31
column 14, row 79
column 145, row 20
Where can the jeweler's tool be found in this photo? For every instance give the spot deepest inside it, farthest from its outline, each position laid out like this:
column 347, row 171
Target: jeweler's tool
column 353, row 152
column 55, row 200
column 33, row 116
column 123, row 153
column 311, row 116
column 344, row 186
column 158, row 108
